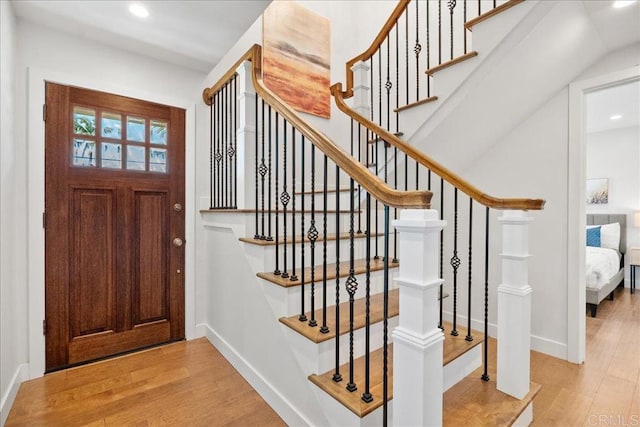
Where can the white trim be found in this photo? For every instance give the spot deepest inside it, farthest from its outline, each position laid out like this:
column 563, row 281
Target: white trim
column 576, row 207
column 21, row 374
column 550, row 347
column 35, row 198
column 543, row 345
column 283, row 407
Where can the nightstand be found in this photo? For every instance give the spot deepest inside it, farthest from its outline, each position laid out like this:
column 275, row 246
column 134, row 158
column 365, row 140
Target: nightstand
column 634, row 262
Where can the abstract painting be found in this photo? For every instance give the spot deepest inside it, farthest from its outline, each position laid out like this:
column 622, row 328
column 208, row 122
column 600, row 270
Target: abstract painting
column 598, row 191
column 296, row 57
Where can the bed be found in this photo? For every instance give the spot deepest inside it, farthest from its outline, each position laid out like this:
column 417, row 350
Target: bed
column 605, row 267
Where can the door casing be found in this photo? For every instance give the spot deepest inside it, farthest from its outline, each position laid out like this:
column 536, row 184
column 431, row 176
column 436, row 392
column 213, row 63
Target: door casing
column 36, row 77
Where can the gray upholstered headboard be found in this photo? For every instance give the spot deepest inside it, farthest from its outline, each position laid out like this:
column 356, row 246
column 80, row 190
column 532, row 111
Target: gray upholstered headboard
column 599, row 219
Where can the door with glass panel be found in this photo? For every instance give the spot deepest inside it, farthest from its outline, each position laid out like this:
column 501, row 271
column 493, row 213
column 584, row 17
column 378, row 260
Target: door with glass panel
column 114, row 225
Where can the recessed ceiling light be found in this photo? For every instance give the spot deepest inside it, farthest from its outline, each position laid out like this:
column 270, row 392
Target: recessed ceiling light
column 615, row 117
column 139, row 10
column 623, row 3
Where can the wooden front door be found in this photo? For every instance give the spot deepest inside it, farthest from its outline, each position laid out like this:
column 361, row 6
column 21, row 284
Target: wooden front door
column 114, row 225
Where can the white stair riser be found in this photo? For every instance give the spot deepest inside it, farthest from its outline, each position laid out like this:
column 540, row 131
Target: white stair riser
column 459, row 368
column 359, row 250
column 318, row 198
column 286, row 301
column 319, row 358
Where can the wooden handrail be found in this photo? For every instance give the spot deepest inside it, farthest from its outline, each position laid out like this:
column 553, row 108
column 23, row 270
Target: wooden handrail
column 438, row 169
column 377, row 42
column 370, row 182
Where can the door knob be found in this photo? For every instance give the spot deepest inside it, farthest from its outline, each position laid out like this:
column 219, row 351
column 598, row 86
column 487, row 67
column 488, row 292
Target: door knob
column 177, row 242
column 177, row 207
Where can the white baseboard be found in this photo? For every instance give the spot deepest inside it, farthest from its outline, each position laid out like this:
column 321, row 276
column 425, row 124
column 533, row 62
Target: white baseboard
column 21, row 374
column 283, row 407
column 550, row 347
column 541, row 344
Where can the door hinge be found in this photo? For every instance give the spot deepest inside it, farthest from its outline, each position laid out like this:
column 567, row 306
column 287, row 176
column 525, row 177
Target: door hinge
column 44, row 112
column 44, row 219
column 44, row 327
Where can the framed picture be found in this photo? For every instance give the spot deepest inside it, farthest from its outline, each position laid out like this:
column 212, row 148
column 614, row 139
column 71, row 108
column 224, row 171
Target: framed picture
column 296, row 57
column 598, row 191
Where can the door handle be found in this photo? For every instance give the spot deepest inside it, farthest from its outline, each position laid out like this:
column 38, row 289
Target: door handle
column 177, row 242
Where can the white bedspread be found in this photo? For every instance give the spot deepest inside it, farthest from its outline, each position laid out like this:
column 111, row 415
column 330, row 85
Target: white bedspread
column 602, row 264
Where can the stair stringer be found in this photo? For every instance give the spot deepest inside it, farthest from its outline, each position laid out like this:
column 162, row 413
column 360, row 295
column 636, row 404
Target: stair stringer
column 552, row 45
column 448, row 84
column 242, row 326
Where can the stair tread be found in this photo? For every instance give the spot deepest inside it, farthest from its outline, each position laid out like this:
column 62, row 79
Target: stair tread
column 481, row 401
column 375, row 315
column 496, row 10
column 378, row 138
column 453, row 347
column 359, row 268
column 414, row 104
column 352, row 400
column 330, row 237
column 431, row 71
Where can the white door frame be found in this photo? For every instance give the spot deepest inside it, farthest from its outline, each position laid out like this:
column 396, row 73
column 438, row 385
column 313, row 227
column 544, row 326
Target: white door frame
column 576, row 220
column 36, row 79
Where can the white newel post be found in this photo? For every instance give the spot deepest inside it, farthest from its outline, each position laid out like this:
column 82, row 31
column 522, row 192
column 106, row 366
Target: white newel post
column 246, row 138
column 514, row 306
column 361, row 88
column 417, row 341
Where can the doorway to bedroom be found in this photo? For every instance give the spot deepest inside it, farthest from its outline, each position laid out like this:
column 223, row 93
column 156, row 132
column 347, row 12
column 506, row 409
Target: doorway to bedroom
column 612, row 169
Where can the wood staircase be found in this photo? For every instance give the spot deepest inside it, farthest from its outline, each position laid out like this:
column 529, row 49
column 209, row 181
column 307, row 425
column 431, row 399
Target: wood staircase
column 321, row 352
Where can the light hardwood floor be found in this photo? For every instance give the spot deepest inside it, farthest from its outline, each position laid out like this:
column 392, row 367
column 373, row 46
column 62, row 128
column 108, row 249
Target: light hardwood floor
column 181, row 384
column 190, row 384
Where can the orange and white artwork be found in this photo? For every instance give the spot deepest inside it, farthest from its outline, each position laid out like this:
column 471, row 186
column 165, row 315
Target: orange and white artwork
column 296, row 57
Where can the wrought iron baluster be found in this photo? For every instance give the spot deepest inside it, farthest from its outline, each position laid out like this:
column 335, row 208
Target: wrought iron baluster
column 269, row 236
column 336, row 375
column 451, row 4
column 223, row 135
column 275, row 194
column 303, row 316
column 263, row 172
column 285, row 198
column 367, row 396
column 464, row 29
column 359, row 161
column 406, row 55
column 417, row 48
column 485, row 373
column 439, row 32
column 469, row 337
column 293, row 277
column 257, row 172
column 441, row 251
column 312, row 235
column 225, row 161
column 455, row 262
column 324, row 328
column 428, row 41
column 211, row 131
column 385, row 322
column 352, row 287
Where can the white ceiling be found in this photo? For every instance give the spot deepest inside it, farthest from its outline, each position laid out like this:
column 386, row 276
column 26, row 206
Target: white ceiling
column 621, row 100
column 196, row 34
column 193, row 34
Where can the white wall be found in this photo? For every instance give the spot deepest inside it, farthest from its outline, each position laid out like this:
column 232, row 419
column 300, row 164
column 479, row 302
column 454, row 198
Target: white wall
column 615, row 154
column 532, row 160
column 13, row 273
column 46, row 54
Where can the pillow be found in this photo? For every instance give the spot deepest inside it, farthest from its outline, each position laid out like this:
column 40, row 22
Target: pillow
column 593, row 236
column 610, row 236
